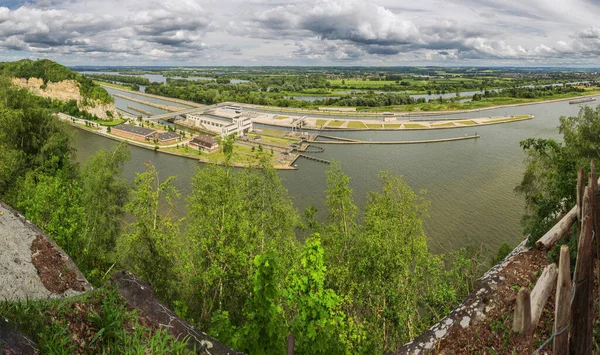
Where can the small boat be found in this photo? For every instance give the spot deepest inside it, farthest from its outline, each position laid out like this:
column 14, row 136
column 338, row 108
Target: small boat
column 580, row 101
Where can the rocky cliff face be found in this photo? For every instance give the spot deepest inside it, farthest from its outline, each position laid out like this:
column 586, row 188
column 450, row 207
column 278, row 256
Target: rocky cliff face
column 64, row 90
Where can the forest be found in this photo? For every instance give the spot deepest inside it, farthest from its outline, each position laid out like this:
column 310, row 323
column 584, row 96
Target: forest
column 242, row 264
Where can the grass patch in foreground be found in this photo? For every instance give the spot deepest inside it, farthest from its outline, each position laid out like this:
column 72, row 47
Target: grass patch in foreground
column 392, row 125
column 356, row 124
column 281, row 117
column 335, row 123
column 320, row 123
column 97, row 322
column 413, row 126
column 467, row 123
column 374, row 125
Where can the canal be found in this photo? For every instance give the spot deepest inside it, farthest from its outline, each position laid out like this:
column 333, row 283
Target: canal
column 469, row 184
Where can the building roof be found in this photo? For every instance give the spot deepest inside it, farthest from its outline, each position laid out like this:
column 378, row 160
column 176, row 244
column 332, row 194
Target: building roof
column 140, row 131
column 163, row 136
column 204, row 139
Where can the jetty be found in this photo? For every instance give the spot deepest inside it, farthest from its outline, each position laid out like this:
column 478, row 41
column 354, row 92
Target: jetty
column 309, row 157
column 440, row 140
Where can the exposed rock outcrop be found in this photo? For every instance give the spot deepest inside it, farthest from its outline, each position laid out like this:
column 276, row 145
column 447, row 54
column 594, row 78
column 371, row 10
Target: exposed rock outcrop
column 65, row 90
column 19, row 277
column 13, row 342
column 139, row 295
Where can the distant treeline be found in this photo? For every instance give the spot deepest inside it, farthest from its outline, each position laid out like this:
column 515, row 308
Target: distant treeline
column 129, row 79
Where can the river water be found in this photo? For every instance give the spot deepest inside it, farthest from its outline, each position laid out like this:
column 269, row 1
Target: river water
column 469, row 184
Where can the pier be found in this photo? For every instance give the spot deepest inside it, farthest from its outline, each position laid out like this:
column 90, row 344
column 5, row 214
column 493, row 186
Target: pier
column 324, row 161
column 347, row 141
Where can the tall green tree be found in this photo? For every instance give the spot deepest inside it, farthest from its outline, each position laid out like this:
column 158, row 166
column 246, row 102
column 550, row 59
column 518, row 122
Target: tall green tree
column 550, row 177
column 317, row 321
column 340, row 231
column 389, row 267
column 263, row 331
column 232, row 217
column 104, row 195
column 149, row 244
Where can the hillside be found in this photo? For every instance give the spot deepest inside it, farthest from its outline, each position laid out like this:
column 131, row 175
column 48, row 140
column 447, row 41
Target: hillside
column 49, row 79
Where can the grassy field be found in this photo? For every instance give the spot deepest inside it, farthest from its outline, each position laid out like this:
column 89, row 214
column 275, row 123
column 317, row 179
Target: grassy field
column 448, row 124
column 111, row 123
column 216, row 157
column 335, row 123
column 320, row 123
column 413, row 125
column 118, row 86
column 468, row 122
column 392, row 125
column 356, row 124
column 374, row 125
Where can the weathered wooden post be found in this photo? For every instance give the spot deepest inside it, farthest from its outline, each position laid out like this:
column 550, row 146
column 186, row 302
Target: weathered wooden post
column 541, row 292
column 594, row 184
column 290, row 345
column 564, row 292
column 581, row 309
column 522, row 317
column 580, row 190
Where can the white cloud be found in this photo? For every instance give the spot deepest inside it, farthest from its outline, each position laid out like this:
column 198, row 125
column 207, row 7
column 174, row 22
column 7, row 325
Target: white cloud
column 314, row 31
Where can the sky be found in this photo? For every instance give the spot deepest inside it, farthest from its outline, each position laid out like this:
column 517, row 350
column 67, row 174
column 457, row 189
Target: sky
column 311, row 32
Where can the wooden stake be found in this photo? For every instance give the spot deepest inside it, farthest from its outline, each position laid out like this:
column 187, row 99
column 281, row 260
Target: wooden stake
column 541, row 292
column 596, row 213
column 522, row 317
column 581, row 309
column 562, row 308
column 580, row 188
column 290, row 344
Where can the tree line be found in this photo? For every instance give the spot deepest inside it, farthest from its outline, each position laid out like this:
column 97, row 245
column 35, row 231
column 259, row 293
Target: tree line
column 129, row 79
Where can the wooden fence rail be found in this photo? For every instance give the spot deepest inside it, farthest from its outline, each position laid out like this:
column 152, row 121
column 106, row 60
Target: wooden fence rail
column 574, row 310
